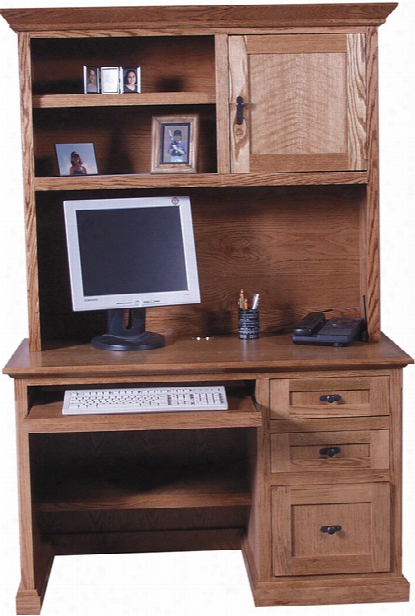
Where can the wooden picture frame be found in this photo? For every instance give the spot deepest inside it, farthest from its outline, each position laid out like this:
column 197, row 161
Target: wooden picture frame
column 175, row 144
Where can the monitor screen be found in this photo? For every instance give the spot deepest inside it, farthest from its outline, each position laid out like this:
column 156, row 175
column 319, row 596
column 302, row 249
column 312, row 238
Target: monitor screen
column 130, row 254
column 127, row 253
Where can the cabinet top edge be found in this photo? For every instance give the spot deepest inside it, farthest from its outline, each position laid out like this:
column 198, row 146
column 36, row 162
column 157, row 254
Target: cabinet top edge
column 223, row 16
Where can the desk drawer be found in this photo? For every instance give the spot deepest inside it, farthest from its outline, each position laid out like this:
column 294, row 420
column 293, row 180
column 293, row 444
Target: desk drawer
column 327, row 451
column 329, row 397
column 331, row 529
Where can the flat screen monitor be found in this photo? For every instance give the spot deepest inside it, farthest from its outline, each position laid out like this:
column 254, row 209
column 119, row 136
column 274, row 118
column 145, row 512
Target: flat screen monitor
column 130, row 254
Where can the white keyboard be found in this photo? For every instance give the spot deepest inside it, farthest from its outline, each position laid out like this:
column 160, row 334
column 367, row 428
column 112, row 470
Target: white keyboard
column 144, row 400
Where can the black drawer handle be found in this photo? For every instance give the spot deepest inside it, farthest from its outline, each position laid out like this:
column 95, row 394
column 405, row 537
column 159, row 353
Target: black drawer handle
column 330, row 451
column 330, row 398
column 239, row 110
column 330, row 529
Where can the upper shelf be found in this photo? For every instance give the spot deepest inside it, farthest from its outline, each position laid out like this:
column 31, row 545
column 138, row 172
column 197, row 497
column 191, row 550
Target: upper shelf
column 51, row 101
column 198, row 180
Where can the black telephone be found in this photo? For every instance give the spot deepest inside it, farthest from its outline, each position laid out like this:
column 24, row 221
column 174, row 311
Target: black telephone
column 337, row 331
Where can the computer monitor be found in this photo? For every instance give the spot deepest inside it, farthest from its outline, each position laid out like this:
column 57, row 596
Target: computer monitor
column 130, row 253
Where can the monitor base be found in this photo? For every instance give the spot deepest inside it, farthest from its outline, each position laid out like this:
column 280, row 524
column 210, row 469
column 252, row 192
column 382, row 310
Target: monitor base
column 130, row 337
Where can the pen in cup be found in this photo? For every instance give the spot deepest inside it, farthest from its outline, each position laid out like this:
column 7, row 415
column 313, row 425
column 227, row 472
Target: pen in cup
column 243, row 302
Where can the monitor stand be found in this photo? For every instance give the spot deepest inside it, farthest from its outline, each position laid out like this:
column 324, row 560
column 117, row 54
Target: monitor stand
column 131, row 337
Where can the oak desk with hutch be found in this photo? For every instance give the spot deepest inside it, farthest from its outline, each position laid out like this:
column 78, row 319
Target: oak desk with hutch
column 284, row 204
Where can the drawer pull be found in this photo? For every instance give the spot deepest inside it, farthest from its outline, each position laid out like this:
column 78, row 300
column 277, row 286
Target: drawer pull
column 239, row 110
column 330, row 398
column 330, row 529
column 330, row 451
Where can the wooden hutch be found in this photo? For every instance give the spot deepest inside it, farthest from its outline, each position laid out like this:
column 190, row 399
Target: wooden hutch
column 285, row 204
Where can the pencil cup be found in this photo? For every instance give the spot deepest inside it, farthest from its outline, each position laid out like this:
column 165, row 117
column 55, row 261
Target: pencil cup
column 248, row 323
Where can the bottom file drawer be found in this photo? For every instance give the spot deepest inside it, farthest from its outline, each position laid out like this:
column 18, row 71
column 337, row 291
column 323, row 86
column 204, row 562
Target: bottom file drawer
column 331, row 529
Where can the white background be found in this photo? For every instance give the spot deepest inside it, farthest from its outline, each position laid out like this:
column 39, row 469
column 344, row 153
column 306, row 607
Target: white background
column 205, row 583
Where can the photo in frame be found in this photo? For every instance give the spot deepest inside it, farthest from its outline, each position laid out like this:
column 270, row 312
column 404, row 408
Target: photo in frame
column 75, row 159
column 92, row 80
column 175, row 144
column 131, row 80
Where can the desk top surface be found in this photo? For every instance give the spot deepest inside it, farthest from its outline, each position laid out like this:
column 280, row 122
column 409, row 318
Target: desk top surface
column 222, row 356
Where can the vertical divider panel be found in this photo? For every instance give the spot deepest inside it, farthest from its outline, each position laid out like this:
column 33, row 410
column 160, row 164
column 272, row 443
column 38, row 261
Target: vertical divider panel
column 370, row 228
column 222, row 106
column 29, row 191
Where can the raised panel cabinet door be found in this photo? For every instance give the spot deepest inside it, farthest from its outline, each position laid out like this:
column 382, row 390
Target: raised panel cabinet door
column 330, row 529
column 301, row 102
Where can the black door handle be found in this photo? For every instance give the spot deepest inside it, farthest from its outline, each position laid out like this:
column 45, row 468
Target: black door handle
column 239, row 110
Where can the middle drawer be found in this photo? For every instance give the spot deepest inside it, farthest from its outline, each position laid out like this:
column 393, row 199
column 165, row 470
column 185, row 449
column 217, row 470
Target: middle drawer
column 340, row 450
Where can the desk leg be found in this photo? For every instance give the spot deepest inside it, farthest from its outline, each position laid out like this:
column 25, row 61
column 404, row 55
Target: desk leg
column 36, row 556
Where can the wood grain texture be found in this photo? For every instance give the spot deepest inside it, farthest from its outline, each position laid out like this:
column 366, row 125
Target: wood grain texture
column 396, row 470
column 362, row 545
column 356, row 101
column 191, row 17
column 28, row 602
column 285, row 204
column 370, row 229
column 239, row 87
column 360, row 397
column 274, row 253
column 29, row 195
column 322, row 590
column 46, row 416
column 224, row 357
column 222, row 106
column 307, row 102
column 171, row 65
column 52, row 101
column 145, row 180
column 300, row 452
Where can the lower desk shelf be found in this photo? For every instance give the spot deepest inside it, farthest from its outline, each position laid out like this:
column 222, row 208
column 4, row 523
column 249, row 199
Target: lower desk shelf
column 168, row 488
column 140, row 469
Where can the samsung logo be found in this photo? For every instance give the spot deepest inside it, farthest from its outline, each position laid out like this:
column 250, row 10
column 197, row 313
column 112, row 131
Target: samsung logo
column 94, row 299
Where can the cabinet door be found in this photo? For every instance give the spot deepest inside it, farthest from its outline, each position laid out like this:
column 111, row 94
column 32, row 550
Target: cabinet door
column 304, row 102
column 331, row 529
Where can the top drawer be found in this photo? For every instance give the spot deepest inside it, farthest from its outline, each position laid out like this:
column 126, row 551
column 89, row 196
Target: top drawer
column 329, row 397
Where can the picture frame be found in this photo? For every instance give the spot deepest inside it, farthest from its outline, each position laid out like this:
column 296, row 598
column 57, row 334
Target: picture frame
column 76, row 159
column 175, row 144
column 92, row 80
column 131, row 80
column 110, row 79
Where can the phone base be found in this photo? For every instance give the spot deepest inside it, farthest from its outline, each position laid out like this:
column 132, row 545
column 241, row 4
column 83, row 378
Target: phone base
column 338, row 332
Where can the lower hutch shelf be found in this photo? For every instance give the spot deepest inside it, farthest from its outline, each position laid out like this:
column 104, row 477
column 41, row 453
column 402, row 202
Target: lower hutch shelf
column 265, row 476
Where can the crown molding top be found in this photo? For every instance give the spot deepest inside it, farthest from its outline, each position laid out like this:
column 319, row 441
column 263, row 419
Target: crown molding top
column 211, row 17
